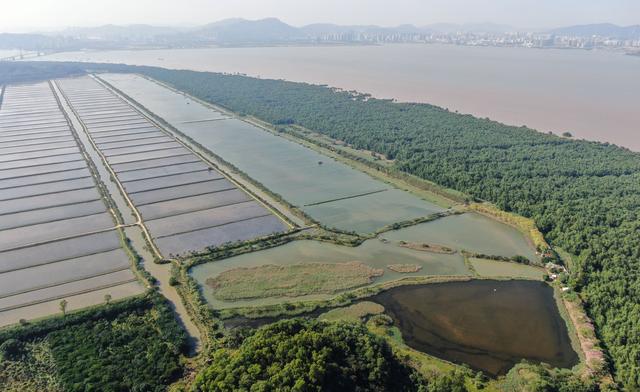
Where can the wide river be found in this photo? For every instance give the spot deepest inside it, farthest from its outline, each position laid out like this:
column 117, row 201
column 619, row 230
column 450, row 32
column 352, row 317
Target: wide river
column 592, row 94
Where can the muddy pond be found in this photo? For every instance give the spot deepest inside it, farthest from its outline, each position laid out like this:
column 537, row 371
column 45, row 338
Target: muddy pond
column 487, row 324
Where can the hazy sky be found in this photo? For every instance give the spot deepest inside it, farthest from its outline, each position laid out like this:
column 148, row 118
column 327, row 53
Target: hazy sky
column 47, row 14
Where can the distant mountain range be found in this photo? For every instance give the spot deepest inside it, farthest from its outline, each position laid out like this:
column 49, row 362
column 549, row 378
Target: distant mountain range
column 273, row 30
column 267, row 31
column 239, row 30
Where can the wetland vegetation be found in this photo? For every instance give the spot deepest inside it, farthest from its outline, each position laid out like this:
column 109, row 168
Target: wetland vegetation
column 356, row 312
column 404, row 268
column 290, row 280
column 374, row 253
column 12, row 72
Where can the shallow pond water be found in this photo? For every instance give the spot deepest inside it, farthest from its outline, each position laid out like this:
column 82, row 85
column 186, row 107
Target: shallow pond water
column 46, row 201
column 51, row 214
column 28, row 162
column 472, row 232
column 44, row 178
column 166, row 194
column 42, row 232
column 487, row 324
column 329, row 191
column 142, row 174
column 469, row 231
column 496, row 269
column 374, row 253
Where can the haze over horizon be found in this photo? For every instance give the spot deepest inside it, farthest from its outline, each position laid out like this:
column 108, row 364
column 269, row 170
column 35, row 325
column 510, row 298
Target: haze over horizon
column 530, row 14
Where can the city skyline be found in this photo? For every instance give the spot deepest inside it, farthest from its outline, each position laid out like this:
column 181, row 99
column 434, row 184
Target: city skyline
column 526, row 14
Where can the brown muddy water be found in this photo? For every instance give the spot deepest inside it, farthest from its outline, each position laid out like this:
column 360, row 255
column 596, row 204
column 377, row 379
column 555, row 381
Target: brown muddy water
column 591, row 93
column 487, row 324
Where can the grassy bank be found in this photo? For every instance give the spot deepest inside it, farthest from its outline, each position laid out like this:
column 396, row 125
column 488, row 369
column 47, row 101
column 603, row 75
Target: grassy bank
column 355, row 313
column 286, row 309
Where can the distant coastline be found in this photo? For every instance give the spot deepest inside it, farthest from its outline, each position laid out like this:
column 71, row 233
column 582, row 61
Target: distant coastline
column 272, row 32
column 550, row 99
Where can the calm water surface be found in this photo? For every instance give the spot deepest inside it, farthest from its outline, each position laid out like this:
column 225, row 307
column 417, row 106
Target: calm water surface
column 489, row 325
column 494, row 236
column 374, row 253
column 593, row 94
column 330, row 191
column 471, row 232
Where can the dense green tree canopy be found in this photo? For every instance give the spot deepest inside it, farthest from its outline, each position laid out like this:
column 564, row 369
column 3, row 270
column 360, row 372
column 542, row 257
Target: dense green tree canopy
column 539, row 378
column 19, row 72
column 131, row 345
column 299, row 355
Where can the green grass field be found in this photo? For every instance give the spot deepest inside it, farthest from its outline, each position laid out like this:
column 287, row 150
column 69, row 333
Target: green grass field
column 355, row 312
column 290, row 280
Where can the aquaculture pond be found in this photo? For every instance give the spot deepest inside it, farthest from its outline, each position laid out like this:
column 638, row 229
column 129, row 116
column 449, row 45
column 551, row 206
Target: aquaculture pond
column 56, row 234
column 375, row 253
column 329, row 191
column 471, row 232
column 179, row 202
column 489, row 325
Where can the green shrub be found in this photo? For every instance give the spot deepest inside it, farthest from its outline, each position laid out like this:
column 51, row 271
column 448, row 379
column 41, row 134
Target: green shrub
column 11, row 349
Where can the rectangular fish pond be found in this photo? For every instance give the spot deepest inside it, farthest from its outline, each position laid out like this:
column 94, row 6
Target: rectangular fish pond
column 329, row 191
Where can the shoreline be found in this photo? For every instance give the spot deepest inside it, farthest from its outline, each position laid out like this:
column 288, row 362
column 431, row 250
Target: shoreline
column 402, row 93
